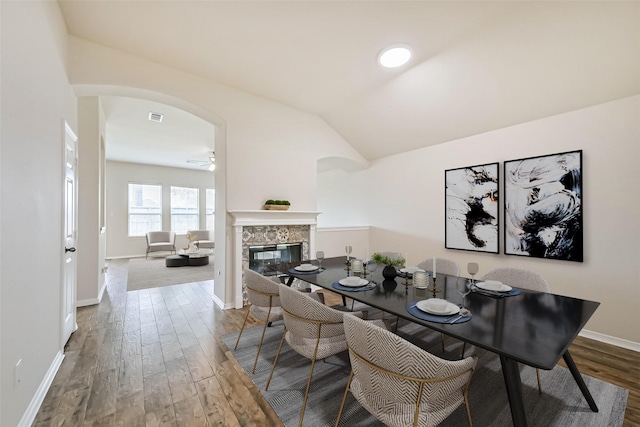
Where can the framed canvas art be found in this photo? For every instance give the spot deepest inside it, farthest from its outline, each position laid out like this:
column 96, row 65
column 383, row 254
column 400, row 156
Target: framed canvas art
column 543, row 206
column 471, row 208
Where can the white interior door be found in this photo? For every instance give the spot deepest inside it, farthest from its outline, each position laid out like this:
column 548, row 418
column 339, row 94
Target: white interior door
column 70, row 227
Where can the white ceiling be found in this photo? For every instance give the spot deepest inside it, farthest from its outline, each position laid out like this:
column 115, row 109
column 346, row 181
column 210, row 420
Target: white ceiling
column 132, row 137
column 477, row 65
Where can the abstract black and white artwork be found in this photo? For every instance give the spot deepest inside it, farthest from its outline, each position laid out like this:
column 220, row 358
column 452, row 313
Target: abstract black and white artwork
column 471, row 208
column 543, row 206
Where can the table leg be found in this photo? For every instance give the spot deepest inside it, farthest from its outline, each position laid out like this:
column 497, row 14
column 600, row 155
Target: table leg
column 513, row 384
column 290, row 281
column 576, row 376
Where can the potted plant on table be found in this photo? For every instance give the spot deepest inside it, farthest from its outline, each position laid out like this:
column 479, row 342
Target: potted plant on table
column 389, row 271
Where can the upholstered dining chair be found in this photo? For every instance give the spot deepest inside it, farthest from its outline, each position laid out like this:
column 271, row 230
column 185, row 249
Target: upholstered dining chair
column 399, row 383
column 263, row 295
column 523, row 279
column 443, row 265
column 160, row 241
column 312, row 330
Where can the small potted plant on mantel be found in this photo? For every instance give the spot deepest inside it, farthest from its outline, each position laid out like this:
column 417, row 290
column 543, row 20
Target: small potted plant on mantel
column 277, row 205
column 389, row 271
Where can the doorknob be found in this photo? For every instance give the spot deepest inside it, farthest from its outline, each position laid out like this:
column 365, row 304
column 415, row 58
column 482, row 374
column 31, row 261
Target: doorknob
column 69, row 250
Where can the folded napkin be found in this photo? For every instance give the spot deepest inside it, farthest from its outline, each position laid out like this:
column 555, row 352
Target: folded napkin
column 416, row 312
column 367, row 287
column 495, row 294
column 294, row 271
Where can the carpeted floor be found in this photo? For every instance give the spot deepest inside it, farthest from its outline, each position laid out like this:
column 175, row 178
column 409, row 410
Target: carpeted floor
column 561, row 403
column 152, row 273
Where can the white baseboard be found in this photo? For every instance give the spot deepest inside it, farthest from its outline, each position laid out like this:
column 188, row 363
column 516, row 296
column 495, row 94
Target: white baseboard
column 86, row 302
column 608, row 339
column 34, row 406
column 219, row 302
column 102, row 288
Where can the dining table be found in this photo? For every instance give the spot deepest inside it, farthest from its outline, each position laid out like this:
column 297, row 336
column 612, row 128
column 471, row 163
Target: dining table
column 523, row 327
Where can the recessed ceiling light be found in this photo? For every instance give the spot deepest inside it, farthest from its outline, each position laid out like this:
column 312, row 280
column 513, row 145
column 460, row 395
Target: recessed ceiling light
column 394, row 56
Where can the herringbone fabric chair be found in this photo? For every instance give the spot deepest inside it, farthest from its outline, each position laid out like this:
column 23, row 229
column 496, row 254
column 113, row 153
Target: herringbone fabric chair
column 312, row 329
column 523, row 279
column 443, row 265
column 399, row 383
column 263, row 295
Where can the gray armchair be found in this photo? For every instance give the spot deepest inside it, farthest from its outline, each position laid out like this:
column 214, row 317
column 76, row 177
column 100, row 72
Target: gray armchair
column 202, row 238
column 158, row 241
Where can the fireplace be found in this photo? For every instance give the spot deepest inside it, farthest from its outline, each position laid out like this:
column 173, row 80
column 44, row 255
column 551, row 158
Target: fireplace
column 268, row 228
column 261, row 256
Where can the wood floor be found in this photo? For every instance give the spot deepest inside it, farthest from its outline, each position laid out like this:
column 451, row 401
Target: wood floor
column 154, row 358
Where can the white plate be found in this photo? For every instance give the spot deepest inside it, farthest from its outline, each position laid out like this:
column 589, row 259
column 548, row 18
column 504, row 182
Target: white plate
column 410, row 270
column 352, row 283
column 448, row 310
column 306, row 267
column 504, row 288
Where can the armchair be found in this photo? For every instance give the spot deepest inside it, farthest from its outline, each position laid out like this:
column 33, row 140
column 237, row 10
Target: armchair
column 160, row 241
column 202, row 238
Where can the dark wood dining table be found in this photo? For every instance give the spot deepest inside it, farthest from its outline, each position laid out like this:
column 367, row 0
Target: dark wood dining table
column 531, row 328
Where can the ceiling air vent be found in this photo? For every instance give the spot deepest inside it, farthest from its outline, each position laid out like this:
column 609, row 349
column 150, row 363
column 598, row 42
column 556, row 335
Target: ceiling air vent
column 155, row 117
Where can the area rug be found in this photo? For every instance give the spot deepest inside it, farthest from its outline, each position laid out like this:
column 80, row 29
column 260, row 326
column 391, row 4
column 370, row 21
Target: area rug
column 152, row 273
column 561, row 403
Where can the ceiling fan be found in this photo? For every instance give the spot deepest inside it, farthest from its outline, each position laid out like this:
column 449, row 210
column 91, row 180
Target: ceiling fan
column 210, row 163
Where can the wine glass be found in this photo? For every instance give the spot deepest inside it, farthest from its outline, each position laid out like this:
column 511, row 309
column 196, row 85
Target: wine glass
column 473, row 269
column 464, row 287
column 320, row 257
column 348, row 250
column 372, row 267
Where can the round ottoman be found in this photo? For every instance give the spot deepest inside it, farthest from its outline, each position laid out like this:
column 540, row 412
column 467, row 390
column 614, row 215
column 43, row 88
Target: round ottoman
column 176, row 261
column 199, row 260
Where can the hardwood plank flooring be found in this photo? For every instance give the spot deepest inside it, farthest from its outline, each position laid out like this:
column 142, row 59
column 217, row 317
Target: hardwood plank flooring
column 153, row 357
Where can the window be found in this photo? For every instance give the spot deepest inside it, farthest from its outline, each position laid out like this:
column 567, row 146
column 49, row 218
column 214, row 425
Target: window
column 210, row 208
column 184, row 209
column 145, row 209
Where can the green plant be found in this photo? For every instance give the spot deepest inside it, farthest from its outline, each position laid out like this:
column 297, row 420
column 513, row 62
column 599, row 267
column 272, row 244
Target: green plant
column 286, row 202
column 270, row 202
column 378, row 258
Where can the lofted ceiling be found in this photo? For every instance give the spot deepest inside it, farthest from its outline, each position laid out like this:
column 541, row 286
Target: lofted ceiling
column 477, row 65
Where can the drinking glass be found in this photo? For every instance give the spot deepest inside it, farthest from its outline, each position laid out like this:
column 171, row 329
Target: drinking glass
column 464, row 287
column 348, row 250
column 473, row 269
column 372, row 266
column 320, row 257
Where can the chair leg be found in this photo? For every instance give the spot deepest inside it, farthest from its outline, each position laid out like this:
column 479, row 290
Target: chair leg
column 466, row 404
column 240, row 334
column 255, row 363
column 539, row 385
column 344, row 398
column 313, row 363
column 276, row 359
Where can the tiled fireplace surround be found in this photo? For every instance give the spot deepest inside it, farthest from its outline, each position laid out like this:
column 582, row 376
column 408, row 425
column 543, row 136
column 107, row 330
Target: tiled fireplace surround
column 264, row 228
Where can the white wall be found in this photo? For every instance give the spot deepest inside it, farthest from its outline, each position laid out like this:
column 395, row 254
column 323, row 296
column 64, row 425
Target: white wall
column 260, row 144
column 405, row 207
column 119, row 175
column 90, row 262
column 36, row 99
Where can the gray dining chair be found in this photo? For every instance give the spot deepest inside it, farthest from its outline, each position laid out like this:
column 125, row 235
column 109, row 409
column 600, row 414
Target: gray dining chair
column 399, row 383
column 443, row 266
column 523, row 279
column 312, row 330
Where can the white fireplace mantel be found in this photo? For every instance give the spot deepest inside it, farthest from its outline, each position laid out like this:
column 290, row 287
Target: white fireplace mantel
column 269, row 217
column 265, row 218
